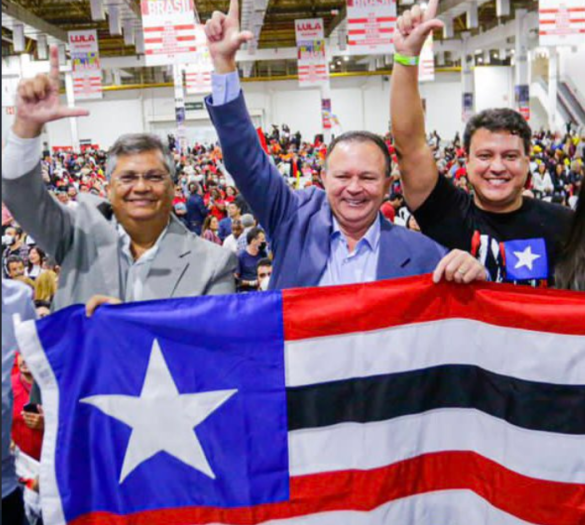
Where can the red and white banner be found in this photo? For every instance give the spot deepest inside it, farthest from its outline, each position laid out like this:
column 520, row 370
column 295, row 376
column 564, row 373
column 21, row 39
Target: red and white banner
column 370, row 26
column 198, row 71
column 426, row 66
column 561, row 22
column 311, row 52
column 169, row 31
column 85, row 58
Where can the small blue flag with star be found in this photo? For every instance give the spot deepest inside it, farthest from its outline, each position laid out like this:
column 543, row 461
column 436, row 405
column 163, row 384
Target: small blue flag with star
column 526, row 259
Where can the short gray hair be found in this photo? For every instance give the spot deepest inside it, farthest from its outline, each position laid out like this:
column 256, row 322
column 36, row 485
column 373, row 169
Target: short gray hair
column 248, row 220
column 134, row 143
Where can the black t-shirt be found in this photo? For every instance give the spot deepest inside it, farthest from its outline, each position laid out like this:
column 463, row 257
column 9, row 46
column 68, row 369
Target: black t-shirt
column 522, row 246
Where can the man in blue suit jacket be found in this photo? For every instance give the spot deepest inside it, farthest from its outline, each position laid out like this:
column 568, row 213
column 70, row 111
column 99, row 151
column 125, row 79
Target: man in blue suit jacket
column 336, row 236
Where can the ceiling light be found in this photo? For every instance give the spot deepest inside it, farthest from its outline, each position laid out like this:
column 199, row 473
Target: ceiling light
column 346, row 58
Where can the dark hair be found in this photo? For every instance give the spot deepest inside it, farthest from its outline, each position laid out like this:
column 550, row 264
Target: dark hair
column 570, row 271
column 264, row 262
column 253, row 234
column 14, row 259
column 42, row 256
column 42, row 304
column 361, row 137
column 499, row 119
column 134, row 143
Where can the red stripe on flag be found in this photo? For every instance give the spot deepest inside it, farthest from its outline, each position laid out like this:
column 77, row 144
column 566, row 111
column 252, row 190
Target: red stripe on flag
column 373, row 306
column 529, row 499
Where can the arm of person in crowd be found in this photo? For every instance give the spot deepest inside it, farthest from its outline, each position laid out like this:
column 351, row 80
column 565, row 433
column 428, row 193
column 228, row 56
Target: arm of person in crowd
column 461, row 267
column 415, row 157
column 23, row 189
column 259, row 181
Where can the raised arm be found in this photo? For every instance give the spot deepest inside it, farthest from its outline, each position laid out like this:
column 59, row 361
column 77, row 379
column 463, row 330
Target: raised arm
column 415, row 157
column 24, row 192
column 261, row 184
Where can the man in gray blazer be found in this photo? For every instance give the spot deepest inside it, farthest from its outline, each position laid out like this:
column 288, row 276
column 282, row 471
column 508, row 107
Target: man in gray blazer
column 131, row 248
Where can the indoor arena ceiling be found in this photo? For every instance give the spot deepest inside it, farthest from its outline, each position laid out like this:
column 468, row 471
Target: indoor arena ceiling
column 60, row 16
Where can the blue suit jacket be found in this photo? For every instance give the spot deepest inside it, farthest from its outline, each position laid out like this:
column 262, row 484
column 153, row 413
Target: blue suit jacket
column 300, row 223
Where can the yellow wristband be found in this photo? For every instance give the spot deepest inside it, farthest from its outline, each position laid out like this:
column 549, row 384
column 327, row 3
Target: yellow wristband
column 405, row 61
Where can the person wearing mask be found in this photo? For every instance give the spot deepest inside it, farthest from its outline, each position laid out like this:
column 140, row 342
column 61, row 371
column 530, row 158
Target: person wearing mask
column 264, row 271
column 16, row 306
column 15, row 241
column 129, row 248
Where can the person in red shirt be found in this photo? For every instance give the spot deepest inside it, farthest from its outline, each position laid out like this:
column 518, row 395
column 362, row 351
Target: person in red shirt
column 27, row 427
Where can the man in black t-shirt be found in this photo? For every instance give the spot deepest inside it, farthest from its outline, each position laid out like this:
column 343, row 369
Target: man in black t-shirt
column 518, row 239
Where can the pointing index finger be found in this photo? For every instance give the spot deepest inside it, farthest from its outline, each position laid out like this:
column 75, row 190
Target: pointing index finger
column 234, row 11
column 431, row 11
column 54, row 63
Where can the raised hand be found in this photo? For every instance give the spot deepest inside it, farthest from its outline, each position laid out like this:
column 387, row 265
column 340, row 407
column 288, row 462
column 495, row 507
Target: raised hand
column 413, row 28
column 225, row 38
column 38, row 102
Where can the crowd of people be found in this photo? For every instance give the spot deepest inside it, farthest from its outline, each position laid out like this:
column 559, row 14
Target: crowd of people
column 208, row 203
column 269, row 210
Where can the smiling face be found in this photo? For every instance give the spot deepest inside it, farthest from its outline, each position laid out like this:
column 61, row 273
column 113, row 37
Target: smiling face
column 141, row 188
column 355, row 182
column 497, row 169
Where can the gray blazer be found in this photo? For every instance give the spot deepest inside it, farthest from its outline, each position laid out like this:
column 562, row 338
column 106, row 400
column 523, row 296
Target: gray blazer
column 85, row 243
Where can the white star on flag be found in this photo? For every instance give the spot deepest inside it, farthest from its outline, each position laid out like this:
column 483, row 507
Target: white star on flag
column 526, row 258
column 162, row 420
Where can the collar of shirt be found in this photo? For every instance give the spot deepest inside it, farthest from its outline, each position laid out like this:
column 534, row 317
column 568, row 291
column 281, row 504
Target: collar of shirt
column 371, row 239
column 148, row 255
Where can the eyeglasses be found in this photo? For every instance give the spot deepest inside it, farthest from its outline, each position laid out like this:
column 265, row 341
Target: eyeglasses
column 131, row 179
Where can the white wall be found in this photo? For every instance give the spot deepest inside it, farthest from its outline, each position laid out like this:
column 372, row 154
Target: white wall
column 572, row 66
column 494, row 87
column 358, row 102
column 443, row 103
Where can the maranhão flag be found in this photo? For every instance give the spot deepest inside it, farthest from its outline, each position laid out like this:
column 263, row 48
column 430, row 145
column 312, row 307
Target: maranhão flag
column 390, row 402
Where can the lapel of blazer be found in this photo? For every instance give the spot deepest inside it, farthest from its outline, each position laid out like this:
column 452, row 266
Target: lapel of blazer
column 106, row 238
column 169, row 264
column 395, row 256
column 316, row 245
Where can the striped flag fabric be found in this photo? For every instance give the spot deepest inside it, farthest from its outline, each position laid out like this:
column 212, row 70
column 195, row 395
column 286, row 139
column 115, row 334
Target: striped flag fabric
column 371, row 26
column 561, row 22
column 85, row 59
column 392, row 402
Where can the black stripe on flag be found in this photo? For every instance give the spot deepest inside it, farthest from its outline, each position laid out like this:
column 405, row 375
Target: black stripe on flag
column 527, row 404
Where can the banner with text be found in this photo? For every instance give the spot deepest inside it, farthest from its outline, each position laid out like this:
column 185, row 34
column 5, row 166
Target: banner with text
column 426, row 67
column 561, row 22
column 370, row 26
column 85, row 59
column 198, row 71
column 311, row 52
column 169, row 31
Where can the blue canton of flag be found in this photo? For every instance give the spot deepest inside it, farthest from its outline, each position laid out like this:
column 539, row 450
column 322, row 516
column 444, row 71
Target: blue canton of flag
column 526, row 259
column 160, row 410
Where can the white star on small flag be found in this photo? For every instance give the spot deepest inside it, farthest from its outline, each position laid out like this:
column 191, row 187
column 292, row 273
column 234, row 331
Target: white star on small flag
column 162, row 420
column 526, row 258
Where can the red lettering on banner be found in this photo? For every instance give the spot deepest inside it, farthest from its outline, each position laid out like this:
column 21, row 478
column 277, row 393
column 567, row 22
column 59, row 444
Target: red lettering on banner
column 166, row 7
column 308, row 26
column 82, row 39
